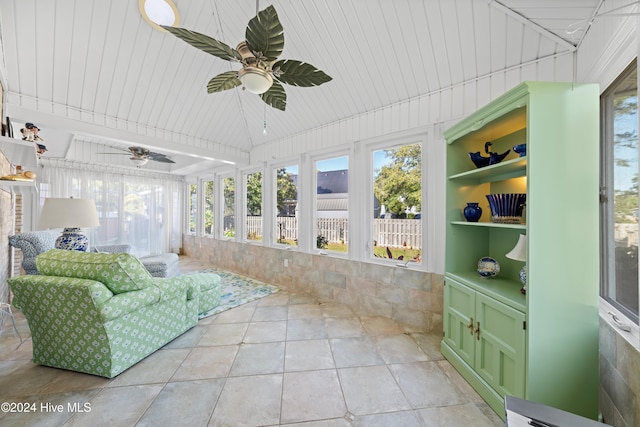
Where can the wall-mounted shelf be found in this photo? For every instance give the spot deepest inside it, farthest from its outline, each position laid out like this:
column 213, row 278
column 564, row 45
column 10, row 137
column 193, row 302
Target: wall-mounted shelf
column 18, row 187
column 19, row 152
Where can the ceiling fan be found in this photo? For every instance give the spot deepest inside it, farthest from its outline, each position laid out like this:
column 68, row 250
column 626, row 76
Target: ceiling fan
column 261, row 73
column 140, row 156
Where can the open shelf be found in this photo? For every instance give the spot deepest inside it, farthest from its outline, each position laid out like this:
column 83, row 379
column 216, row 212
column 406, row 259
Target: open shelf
column 504, row 170
column 19, row 152
column 491, row 224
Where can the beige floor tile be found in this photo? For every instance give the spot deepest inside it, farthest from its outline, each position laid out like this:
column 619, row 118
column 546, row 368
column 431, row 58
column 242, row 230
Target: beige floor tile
column 240, row 314
column 256, row 359
column 399, row 349
column 279, row 298
column 266, row 332
column 311, row 395
column 207, row 362
column 381, row 326
column 223, row 334
column 305, row 311
column 425, row 385
column 429, row 342
column 339, row 327
column 118, row 406
column 296, row 299
column 306, row 329
column 371, row 390
column 249, row 401
column 188, row 403
column 188, row 339
column 332, row 309
column 395, row 419
column 456, row 416
column 308, row 355
column 270, row 313
column 158, row 367
column 358, row 351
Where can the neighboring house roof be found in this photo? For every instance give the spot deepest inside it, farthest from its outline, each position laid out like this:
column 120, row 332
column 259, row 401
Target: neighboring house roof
column 332, row 202
column 333, row 182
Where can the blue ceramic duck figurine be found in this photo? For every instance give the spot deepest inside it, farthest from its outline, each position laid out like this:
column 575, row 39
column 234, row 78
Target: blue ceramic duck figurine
column 493, row 159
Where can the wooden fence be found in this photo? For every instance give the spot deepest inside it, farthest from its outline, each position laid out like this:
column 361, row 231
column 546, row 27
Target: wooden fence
column 386, row 232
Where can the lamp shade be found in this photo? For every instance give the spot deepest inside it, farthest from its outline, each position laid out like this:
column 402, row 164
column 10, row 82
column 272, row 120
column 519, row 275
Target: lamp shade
column 519, row 251
column 68, row 213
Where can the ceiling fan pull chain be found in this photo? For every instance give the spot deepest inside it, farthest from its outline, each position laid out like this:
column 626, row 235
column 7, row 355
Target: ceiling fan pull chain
column 264, row 126
column 257, row 7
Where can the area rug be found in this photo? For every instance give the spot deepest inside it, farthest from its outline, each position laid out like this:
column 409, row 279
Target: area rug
column 237, row 290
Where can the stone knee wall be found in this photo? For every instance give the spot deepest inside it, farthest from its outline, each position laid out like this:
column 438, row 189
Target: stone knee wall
column 412, row 298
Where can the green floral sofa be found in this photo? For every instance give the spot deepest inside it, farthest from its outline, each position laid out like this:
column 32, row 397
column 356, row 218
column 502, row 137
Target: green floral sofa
column 101, row 313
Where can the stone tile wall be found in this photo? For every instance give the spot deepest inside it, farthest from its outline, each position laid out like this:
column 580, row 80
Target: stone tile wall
column 411, row 297
column 619, row 378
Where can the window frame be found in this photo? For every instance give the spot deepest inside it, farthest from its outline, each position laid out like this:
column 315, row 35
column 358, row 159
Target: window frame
column 245, row 199
column 272, row 199
column 621, row 318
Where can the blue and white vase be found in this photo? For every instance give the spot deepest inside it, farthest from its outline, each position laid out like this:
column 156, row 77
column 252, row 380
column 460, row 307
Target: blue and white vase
column 72, row 239
column 472, row 212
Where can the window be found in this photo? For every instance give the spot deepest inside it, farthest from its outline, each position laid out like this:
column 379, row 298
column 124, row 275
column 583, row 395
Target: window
column 332, row 204
column 193, row 207
column 253, row 184
column 397, row 202
column 286, row 211
column 619, row 178
column 209, row 200
column 229, row 213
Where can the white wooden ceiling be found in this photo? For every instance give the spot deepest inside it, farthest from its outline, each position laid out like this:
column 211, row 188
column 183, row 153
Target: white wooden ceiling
column 92, row 74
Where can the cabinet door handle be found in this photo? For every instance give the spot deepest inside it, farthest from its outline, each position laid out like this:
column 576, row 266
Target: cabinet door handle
column 477, row 331
column 470, row 326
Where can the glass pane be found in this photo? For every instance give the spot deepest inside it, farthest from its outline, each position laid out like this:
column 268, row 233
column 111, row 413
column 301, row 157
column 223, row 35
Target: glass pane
column 397, row 203
column 287, row 205
column 193, row 206
column 332, row 204
column 229, row 223
column 208, row 207
column 623, row 132
column 254, row 206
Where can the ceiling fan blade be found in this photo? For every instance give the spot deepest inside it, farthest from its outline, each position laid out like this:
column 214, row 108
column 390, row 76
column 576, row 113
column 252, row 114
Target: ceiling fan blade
column 205, row 43
column 275, row 96
column 298, row 73
column 265, row 34
column 117, row 154
column 224, row 81
column 158, row 157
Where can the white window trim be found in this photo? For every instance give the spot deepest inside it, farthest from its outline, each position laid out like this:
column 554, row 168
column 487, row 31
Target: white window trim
column 244, row 173
column 271, row 200
column 395, row 140
column 204, row 203
column 310, row 202
column 220, row 207
column 619, row 322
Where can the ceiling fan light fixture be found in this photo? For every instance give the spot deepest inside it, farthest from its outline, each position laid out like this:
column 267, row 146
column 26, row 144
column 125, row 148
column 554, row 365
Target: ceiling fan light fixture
column 139, row 161
column 255, row 80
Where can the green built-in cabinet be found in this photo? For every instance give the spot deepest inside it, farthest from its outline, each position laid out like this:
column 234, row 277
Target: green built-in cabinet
column 542, row 346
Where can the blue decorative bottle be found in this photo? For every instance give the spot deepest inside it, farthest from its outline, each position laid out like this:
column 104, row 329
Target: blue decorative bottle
column 472, row 212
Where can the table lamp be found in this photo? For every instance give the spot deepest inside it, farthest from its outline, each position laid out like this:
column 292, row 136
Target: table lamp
column 72, row 215
column 519, row 253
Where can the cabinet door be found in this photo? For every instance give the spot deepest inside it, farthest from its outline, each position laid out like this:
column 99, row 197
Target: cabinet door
column 458, row 322
column 500, row 351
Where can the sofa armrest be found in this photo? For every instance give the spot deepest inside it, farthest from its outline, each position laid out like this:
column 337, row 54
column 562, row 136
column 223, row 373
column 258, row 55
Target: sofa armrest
column 112, row 249
column 36, row 293
column 128, row 302
column 172, row 287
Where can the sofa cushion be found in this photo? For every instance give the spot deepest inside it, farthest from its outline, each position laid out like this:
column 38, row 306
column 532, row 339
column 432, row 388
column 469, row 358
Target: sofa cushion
column 121, row 272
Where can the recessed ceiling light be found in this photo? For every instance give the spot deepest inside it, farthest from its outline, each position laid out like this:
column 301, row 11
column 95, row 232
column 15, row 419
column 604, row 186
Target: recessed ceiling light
column 159, row 12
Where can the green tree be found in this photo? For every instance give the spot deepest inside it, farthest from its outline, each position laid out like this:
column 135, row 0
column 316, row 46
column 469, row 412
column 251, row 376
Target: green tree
column 286, row 189
column 254, row 194
column 398, row 184
column 626, row 201
column 209, row 206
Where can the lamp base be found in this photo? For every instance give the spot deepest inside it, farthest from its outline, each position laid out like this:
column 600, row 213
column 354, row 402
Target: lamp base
column 523, row 279
column 72, row 239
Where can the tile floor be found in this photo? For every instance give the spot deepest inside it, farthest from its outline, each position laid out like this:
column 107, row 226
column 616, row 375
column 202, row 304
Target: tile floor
column 285, row 360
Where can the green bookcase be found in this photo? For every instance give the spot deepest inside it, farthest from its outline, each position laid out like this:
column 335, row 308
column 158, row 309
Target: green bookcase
column 542, row 346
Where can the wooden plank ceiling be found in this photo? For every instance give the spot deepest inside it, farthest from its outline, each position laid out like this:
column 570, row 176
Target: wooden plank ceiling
column 93, row 75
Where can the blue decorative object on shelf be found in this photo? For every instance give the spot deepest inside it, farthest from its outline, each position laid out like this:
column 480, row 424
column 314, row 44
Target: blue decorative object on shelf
column 488, row 267
column 493, row 159
column 472, row 212
column 521, row 149
column 507, row 208
column 72, row 239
